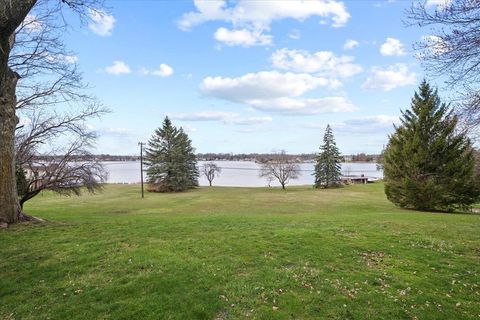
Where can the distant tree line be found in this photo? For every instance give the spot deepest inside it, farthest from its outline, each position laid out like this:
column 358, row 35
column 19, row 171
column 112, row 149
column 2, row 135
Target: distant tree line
column 302, row 157
column 258, row 157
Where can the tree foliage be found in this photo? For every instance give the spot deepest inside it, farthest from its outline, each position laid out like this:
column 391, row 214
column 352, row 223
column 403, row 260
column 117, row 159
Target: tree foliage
column 171, row 160
column 328, row 168
column 428, row 164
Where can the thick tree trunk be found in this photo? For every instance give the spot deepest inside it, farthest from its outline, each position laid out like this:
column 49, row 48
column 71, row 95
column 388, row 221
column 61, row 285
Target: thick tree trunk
column 10, row 207
column 12, row 13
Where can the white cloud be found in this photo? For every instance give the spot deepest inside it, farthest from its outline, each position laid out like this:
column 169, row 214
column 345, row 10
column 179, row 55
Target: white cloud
column 223, row 117
column 435, row 46
column 116, row 132
column 389, row 78
column 294, row 34
column 31, row 23
column 101, row 22
column 164, row 70
column 362, row 125
column 253, row 18
column 324, row 63
column 263, row 85
column 118, row 68
column 440, row 3
column 70, row 59
column 277, row 92
column 248, row 130
column 252, row 120
column 301, row 106
column 242, row 37
column 262, row 13
column 204, row 116
column 188, row 128
column 22, row 121
column 392, row 47
column 350, row 44
column 371, row 124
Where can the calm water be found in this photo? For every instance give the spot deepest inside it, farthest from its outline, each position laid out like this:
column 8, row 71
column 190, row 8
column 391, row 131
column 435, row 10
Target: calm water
column 237, row 173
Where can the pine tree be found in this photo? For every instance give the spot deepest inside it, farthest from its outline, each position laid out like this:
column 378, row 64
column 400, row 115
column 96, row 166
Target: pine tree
column 171, row 160
column 328, row 168
column 428, row 164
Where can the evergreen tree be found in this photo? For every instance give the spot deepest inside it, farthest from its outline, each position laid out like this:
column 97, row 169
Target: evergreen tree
column 328, row 168
column 171, row 160
column 428, row 164
column 22, row 183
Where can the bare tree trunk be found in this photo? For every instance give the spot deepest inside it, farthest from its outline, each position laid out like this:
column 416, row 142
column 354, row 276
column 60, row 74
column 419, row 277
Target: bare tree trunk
column 12, row 13
column 9, row 208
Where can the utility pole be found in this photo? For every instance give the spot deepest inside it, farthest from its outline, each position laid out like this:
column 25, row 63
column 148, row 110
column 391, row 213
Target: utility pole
column 141, row 164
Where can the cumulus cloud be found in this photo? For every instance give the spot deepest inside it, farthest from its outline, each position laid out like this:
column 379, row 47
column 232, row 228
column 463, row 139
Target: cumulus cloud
column 31, row 23
column 324, row 63
column 350, row 44
column 242, row 37
column 273, row 91
column 435, row 46
column 164, row 70
column 263, row 85
column 70, row 59
column 299, row 106
column 378, row 123
column 251, row 19
column 262, row 13
column 223, row 117
column 101, row 22
column 118, row 68
column 362, row 125
column 389, row 78
column 392, row 47
column 442, row 4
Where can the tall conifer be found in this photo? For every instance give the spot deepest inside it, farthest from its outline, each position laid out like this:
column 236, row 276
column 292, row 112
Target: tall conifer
column 171, row 160
column 428, row 164
column 328, row 168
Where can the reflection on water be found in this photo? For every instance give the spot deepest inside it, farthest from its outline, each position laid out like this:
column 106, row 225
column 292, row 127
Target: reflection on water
column 237, row 173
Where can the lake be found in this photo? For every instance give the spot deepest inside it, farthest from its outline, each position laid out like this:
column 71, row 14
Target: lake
column 237, row 173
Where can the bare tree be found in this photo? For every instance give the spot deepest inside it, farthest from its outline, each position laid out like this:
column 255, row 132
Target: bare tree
column 452, row 48
column 55, row 151
column 26, row 62
column 281, row 167
column 210, row 170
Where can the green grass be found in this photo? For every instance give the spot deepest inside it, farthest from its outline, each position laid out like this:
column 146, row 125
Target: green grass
column 239, row 253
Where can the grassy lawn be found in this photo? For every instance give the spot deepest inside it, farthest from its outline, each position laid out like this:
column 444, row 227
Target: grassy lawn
column 239, row 253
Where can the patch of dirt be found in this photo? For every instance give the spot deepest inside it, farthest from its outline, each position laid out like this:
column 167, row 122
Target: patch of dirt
column 221, row 316
column 373, row 258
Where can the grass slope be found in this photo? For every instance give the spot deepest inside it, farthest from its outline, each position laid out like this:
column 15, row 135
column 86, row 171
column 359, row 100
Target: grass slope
column 239, row 253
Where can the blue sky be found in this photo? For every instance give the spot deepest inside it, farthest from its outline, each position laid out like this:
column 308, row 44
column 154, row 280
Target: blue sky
column 250, row 76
